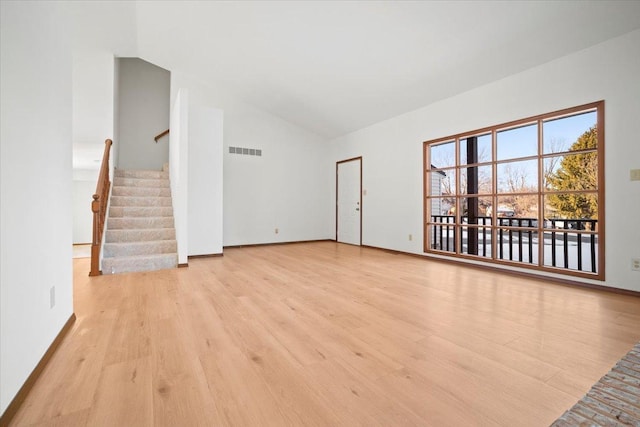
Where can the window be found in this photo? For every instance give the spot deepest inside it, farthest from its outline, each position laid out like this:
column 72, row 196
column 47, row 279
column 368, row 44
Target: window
column 527, row 193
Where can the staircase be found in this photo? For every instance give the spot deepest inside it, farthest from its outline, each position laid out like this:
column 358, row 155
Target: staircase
column 140, row 229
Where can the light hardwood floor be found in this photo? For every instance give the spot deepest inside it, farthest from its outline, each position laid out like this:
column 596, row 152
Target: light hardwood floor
column 325, row 334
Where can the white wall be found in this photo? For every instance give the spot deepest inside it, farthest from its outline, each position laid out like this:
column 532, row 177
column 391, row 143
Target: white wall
column 101, row 31
column 289, row 187
column 392, row 150
column 93, row 90
column 35, row 186
column 286, row 188
column 143, row 112
column 82, row 215
column 178, row 169
column 103, row 26
column 93, row 122
column 205, row 181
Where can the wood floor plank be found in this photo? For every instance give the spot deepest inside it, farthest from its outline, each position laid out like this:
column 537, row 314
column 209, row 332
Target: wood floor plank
column 180, row 389
column 432, row 399
column 528, row 398
column 240, row 392
column 325, row 334
column 124, row 396
column 504, row 355
column 72, row 419
column 70, row 380
column 361, row 398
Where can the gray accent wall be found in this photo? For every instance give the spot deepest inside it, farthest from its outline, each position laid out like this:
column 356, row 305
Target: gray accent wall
column 143, row 112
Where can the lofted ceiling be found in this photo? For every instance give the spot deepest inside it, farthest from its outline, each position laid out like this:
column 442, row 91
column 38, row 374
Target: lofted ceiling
column 335, row 67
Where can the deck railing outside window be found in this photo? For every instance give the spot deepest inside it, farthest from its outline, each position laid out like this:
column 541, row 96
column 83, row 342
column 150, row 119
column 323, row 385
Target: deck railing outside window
column 568, row 243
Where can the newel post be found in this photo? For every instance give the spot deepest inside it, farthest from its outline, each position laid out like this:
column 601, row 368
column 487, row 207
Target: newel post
column 99, row 209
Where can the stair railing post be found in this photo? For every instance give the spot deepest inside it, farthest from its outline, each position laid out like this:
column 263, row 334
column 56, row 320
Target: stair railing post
column 99, row 209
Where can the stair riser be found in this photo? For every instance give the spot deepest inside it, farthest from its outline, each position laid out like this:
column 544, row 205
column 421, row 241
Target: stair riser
column 134, row 182
column 143, row 174
column 140, row 201
column 126, row 211
column 129, row 222
column 113, row 250
column 121, row 236
column 142, row 191
column 127, row 265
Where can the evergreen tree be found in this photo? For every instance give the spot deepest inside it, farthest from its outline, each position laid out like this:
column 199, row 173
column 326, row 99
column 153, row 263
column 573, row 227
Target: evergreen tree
column 577, row 172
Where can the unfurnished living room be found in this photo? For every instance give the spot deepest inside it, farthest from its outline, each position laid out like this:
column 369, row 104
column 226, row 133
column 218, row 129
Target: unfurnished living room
column 319, row 213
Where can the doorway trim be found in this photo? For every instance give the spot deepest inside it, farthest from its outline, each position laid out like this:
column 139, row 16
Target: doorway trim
column 352, row 159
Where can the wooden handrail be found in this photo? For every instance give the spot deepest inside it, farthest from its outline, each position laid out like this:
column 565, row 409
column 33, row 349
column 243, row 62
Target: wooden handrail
column 99, row 209
column 160, row 135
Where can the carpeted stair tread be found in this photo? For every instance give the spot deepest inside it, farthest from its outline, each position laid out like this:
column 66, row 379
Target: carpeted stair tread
column 139, row 234
column 140, row 211
column 118, row 249
column 140, row 201
column 136, row 263
column 140, row 191
column 130, row 222
column 141, row 174
column 137, row 182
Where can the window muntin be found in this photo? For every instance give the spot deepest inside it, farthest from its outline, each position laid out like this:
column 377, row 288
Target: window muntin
column 523, row 193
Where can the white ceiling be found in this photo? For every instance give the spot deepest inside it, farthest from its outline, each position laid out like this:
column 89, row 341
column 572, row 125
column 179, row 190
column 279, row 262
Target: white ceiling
column 335, row 67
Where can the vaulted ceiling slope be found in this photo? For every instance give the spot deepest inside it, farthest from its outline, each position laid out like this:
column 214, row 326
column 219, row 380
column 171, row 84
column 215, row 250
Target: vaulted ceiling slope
column 335, row 67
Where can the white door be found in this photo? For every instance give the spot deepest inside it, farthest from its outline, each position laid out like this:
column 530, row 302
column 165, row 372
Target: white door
column 349, row 201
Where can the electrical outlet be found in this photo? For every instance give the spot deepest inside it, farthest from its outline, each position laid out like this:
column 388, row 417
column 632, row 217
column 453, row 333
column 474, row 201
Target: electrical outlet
column 635, row 264
column 52, row 297
column 277, row 231
column 410, row 237
column 635, row 175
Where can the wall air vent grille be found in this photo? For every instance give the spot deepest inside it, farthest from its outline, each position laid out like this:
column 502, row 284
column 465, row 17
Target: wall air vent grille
column 245, row 151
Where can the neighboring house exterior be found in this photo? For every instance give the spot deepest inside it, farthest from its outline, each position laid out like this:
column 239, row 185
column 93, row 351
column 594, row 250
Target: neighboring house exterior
column 437, row 207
